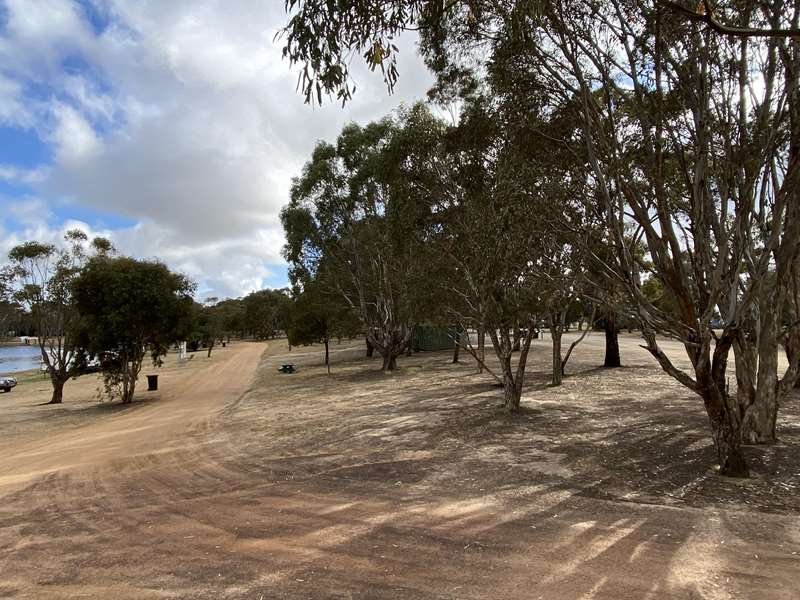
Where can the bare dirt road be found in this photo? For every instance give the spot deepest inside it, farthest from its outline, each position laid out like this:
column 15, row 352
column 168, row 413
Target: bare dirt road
column 238, row 482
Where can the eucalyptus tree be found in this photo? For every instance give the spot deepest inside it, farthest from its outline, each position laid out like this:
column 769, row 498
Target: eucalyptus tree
column 709, row 126
column 690, row 123
column 349, row 209
column 210, row 323
column 128, row 309
column 486, row 227
column 552, row 167
column 9, row 308
column 317, row 315
column 42, row 275
column 265, row 312
column 232, row 315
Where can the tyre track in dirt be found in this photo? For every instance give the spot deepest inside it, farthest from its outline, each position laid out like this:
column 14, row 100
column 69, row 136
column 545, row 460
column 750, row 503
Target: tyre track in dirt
column 366, row 486
column 84, row 487
column 187, row 404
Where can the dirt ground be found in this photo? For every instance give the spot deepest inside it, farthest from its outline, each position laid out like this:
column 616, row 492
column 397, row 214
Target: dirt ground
column 233, row 481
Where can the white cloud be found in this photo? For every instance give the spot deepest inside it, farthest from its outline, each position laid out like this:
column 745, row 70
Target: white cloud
column 187, row 122
column 12, row 105
column 16, row 175
column 41, row 33
column 73, row 137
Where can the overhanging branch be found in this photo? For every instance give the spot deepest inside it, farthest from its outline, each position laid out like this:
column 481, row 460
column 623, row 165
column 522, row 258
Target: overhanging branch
column 707, row 17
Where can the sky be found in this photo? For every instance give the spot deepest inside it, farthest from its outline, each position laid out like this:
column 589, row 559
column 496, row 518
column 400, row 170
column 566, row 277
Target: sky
column 171, row 127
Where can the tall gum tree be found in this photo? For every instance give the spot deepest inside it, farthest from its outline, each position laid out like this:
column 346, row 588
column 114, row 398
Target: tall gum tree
column 714, row 200
column 483, row 214
column 690, row 123
column 348, row 209
column 41, row 275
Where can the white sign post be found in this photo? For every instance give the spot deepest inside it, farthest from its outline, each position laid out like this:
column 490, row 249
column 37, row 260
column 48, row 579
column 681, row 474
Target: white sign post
column 182, row 351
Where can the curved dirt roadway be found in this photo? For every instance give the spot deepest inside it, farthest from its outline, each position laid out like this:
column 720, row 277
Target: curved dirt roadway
column 186, row 400
column 413, row 486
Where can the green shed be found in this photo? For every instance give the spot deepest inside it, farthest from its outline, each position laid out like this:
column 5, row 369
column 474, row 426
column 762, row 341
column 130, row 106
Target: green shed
column 425, row 338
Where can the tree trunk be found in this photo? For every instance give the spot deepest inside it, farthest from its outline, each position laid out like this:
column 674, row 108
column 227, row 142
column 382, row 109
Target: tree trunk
column 511, row 391
column 456, row 345
column 511, row 395
column 757, row 379
column 327, row 356
column 389, row 361
column 370, row 349
column 391, row 343
column 128, row 385
column 481, row 348
column 558, row 371
column 210, row 348
column 759, row 428
column 612, row 359
column 129, row 376
column 727, row 443
column 512, row 381
column 58, row 390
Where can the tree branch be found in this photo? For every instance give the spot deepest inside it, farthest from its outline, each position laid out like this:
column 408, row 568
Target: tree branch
column 707, row 17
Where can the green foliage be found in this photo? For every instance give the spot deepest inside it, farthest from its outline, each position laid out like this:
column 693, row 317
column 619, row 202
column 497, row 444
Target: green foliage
column 318, row 315
column 323, row 34
column 353, row 225
column 266, row 313
column 41, row 278
column 129, row 308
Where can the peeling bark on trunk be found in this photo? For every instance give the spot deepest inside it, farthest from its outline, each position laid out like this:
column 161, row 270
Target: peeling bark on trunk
column 758, row 386
column 759, row 428
column 729, row 452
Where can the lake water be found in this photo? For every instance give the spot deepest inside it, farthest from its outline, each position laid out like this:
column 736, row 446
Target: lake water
column 14, row 359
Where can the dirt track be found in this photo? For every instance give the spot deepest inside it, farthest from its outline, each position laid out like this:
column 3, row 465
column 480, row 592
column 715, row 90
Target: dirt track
column 237, row 482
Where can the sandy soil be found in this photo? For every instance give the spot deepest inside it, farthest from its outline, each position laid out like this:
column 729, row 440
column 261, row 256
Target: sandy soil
column 234, row 481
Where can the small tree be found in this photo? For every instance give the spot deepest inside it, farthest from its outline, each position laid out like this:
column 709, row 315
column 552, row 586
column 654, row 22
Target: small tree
column 43, row 275
column 129, row 308
column 231, row 312
column 211, row 324
column 9, row 308
column 265, row 312
column 317, row 316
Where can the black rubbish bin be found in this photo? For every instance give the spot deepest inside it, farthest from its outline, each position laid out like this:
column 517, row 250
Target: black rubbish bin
column 152, row 383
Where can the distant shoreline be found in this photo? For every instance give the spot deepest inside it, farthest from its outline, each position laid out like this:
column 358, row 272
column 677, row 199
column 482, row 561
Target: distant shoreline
column 17, row 343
